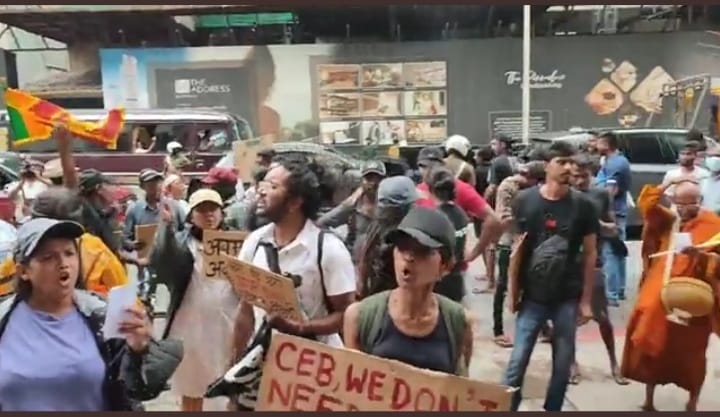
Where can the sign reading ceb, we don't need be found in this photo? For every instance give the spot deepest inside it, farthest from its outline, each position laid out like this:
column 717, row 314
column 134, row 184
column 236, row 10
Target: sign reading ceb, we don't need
column 304, row 375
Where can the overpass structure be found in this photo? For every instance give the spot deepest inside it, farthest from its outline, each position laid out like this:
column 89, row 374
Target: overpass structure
column 82, row 29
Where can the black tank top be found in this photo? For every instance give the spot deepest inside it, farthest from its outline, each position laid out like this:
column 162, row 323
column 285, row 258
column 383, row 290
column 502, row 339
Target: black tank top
column 429, row 352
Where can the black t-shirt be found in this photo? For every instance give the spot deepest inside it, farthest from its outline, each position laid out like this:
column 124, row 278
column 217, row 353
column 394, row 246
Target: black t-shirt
column 101, row 224
column 500, row 168
column 542, row 218
column 481, row 178
column 600, row 199
column 452, row 285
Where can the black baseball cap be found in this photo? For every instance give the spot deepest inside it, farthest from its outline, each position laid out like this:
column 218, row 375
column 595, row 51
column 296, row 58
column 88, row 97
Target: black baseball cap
column 91, row 178
column 431, row 153
column 429, row 227
column 374, row 167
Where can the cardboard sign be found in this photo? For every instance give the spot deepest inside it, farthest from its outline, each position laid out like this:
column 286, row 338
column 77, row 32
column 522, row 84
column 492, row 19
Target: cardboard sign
column 245, row 152
column 272, row 292
column 304, row 375
column 216, row 243
column 146, row 234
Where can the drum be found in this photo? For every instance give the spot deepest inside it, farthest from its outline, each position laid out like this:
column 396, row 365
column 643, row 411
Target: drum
column 688, row 296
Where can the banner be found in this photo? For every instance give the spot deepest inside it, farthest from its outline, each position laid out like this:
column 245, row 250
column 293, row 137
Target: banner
column 303, row 375
column 271, row 292
column 33, row 119
column 216, row 243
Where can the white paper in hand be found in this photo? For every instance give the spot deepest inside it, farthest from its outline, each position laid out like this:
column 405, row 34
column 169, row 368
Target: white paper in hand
column 682, row 241
column 119, row 300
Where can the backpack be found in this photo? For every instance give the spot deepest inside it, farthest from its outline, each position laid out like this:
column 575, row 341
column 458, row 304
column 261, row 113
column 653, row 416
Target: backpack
column 371, row 316
column 550, row 262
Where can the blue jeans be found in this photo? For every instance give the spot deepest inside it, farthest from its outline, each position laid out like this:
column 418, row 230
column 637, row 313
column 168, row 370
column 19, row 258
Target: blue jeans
column 530, row 319
column 614, row 266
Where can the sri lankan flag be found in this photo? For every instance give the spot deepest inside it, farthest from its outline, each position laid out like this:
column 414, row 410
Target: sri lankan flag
column 32, row 119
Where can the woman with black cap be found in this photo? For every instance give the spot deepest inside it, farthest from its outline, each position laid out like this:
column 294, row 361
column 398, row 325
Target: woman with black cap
column 53, row 354
column 411, row 323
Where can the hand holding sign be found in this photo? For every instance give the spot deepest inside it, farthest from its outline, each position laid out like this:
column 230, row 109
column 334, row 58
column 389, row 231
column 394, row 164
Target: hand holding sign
column 273, row 293
column 145, row 235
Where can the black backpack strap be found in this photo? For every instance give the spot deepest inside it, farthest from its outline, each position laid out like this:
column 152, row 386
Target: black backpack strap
column 271, row 256
column 320, row 245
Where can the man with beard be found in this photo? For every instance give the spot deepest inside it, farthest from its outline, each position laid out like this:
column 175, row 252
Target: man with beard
column 582, row 173
column 686, row 159
column 358, row 210
column 292, row 244
column 616, row 177
column 659, row 351
column 555, row 277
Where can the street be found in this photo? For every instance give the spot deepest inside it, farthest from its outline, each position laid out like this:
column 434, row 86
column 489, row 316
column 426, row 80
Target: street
column 596, row 392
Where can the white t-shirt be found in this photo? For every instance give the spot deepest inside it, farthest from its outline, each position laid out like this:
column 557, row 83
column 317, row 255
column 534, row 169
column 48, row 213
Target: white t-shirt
column 699, row 173
column 300, row 257
column 30, row 189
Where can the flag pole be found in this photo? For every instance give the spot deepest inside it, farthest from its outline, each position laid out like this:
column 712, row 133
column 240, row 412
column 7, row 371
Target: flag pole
column 526, row 76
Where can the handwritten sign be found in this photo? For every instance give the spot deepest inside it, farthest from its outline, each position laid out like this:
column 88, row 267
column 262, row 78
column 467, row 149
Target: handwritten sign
column 245, row 153
column 216, row 243
column 145, row 233
column 304, row 375
column 272, row 292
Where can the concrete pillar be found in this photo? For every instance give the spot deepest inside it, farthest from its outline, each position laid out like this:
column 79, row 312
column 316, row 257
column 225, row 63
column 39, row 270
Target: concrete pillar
column 83, row 56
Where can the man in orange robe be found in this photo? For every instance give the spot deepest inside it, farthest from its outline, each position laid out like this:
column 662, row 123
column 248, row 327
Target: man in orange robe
column 658, row 351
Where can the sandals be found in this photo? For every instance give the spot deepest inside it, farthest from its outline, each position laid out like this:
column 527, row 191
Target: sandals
column 503, row 341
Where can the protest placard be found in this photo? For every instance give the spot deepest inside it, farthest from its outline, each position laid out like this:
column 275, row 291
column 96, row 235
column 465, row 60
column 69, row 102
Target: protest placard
column 245, row 152
column 145, row 233
column 272, row 292
column 304, row 375
column 216, row 243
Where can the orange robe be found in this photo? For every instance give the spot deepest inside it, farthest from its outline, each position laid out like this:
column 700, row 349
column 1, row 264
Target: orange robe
column 658, row 351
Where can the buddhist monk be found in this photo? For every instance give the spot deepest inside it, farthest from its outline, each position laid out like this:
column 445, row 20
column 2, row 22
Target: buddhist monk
column 659, row 351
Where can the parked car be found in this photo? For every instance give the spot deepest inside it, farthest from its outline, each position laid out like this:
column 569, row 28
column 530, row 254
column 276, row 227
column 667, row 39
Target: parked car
column 651, row 152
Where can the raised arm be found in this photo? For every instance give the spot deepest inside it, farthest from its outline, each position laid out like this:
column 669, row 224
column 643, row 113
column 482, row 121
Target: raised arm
column 64, row 139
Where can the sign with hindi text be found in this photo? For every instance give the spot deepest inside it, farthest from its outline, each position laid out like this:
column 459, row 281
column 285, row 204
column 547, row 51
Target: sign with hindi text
column 217, row 243
column 272, row 292
column 304, row 375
